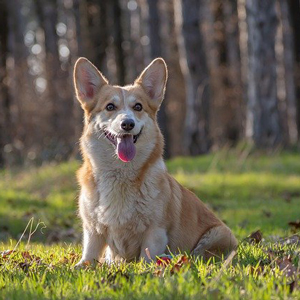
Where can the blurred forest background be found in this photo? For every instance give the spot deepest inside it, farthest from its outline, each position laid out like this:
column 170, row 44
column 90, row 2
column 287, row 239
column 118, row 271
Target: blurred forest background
column 234, row 70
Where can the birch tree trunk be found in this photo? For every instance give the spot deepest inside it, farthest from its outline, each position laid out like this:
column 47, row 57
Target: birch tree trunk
column 263, row 121
column 194, row 67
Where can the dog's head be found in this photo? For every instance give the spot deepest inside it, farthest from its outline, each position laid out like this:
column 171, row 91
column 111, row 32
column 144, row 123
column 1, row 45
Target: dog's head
column 121, row 117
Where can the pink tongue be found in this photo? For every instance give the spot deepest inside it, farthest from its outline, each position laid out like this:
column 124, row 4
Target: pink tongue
column 126, row 148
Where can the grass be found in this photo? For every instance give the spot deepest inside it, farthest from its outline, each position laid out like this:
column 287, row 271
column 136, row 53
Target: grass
column 248, row 193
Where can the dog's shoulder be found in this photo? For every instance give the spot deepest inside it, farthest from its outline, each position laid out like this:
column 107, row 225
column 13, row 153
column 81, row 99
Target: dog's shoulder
column 85, row 177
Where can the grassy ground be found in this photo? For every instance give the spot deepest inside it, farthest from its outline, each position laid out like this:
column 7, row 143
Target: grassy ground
column 248, row 193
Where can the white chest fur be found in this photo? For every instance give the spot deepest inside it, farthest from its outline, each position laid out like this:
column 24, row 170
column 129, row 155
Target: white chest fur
column 123, row 211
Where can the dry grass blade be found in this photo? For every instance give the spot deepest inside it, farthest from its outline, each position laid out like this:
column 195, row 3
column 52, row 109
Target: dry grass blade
column 226, row 263
column 29, row 225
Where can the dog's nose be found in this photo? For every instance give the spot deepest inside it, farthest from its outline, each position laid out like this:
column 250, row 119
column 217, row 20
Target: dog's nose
column 127, row 124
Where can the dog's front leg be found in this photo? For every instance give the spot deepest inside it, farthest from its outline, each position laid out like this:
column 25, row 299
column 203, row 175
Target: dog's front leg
column 93, row 246
column 156, row 241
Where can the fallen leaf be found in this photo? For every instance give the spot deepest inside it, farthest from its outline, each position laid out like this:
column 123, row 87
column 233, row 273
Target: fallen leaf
column 26, row 255
column 65, row 260
column 254, row 238
column 5, row 254
column 73, row 257
column 295, row 225
column 163, row 261
column 87, row 263
column 183, row 260
column 30, row 257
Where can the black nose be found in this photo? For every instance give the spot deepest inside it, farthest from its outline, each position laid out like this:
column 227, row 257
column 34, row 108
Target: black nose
column 127, row 124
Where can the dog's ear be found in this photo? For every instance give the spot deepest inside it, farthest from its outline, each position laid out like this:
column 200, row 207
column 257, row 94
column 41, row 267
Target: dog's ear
column 88, row 81
column 153, row 80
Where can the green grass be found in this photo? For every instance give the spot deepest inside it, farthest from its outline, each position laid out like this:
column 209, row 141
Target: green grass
column 248, row 193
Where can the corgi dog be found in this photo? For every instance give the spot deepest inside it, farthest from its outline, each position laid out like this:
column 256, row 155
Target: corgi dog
column 130, row 207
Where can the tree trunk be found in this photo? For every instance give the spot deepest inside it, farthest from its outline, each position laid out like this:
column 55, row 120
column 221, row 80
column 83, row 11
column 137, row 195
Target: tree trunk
column 154, row 29
column 295, row 17
column 48, row 19
column 194, row 68
column 21, row 89
column 243, row 41
column 58, row 91
column 5, row 125
column 80, row 44
column 135, row 58
column 101, row 38
column 235, row 127
column 117, row 34
column 222, row 44
column 214, row 45
column 156, row 51
column 175, row 96
column 91, row 30
column 263, row 121
column 289, row 78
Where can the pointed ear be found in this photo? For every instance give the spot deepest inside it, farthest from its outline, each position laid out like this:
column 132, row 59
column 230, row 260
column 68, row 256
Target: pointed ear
column 153, row 80
column 88, row 81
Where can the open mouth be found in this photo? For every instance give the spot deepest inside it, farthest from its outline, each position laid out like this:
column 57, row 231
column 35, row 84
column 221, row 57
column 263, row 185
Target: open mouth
column 113, row 138
column 124, row 144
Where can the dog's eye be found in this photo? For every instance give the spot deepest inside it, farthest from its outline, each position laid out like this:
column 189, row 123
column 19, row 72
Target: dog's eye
column 110, row 107
column 138, row 107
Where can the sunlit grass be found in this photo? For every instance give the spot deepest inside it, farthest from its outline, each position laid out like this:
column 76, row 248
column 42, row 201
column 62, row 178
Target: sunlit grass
column 247, row 192
column 249, row 276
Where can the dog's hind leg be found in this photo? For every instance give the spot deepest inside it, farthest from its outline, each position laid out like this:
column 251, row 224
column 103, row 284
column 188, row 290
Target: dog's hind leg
column 155, row 241
column 218, row 241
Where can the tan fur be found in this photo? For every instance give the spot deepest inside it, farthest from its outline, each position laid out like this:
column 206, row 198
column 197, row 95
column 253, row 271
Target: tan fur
column 154, row 156
column 127, row 207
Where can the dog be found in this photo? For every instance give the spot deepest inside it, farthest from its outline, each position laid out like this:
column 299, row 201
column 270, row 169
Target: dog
column 130, row 207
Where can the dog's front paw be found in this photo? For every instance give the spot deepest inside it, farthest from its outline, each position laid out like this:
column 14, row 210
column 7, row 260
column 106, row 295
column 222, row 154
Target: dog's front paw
column 83, row 263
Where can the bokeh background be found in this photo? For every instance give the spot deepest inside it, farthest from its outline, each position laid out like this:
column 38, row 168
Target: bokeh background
column 234, row 70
